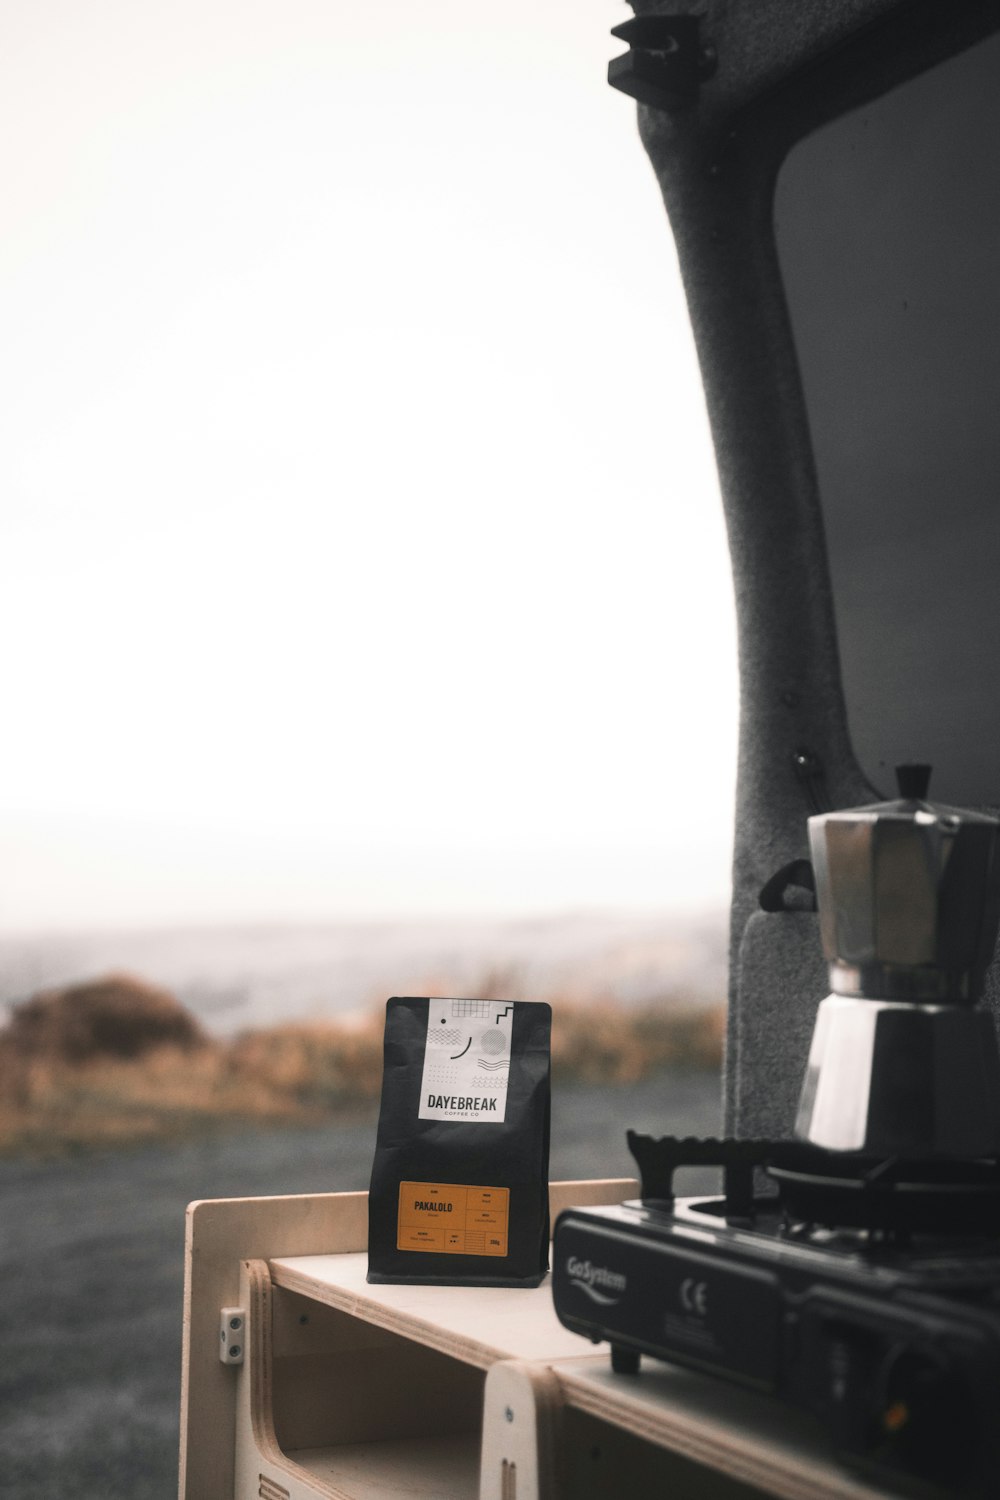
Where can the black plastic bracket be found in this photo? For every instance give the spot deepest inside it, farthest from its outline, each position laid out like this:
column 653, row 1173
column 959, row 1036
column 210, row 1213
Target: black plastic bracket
column 792, row 888
column 666, row 62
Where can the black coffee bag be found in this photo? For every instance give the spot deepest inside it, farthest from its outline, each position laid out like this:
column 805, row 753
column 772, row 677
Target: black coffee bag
column 459, row 1189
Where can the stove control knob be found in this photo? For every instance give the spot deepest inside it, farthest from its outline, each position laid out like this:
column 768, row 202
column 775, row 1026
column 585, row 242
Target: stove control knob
column 925, row 1420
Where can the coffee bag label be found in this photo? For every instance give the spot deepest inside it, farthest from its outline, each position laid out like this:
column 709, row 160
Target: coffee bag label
column 466, row 1060
column 452, row 1218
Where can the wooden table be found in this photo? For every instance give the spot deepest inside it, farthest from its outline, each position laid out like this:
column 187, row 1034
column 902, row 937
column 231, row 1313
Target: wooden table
column 348, row 1391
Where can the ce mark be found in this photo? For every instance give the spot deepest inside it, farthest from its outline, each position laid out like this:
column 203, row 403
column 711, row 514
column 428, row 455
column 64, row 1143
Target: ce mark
column 694, row 1296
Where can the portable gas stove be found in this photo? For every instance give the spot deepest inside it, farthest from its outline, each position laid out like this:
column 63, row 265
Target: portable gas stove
column 865, row 1290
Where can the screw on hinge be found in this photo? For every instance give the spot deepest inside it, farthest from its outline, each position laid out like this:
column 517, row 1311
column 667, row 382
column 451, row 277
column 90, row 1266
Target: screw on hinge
column 666, row 61
column 232, row 1334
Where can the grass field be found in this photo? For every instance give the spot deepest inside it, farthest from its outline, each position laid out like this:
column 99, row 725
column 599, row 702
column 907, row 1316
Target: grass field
column 117, row 1108
column 92, row 1254
column 141, row 1071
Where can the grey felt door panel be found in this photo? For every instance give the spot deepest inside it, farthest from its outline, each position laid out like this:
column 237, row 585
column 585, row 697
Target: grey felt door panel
column 782, row 979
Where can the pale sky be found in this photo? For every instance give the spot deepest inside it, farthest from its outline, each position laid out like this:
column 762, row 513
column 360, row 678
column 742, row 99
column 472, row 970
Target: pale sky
column 361, row 547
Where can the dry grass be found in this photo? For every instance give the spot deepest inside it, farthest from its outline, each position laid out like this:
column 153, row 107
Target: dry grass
column 298, row 1073
column 604, row 1043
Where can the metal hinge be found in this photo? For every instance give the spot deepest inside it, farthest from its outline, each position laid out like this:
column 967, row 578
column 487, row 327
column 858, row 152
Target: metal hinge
column 232, row 1334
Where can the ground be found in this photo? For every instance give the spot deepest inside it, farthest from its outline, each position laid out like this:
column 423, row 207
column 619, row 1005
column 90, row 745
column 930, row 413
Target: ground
column 91, row 1260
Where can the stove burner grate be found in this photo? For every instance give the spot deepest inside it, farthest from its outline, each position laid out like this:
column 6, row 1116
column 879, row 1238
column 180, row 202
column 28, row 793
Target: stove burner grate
column 837, row 1190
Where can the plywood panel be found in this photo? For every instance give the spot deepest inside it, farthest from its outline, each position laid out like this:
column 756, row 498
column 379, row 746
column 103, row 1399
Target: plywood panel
column 402, row 1390
column 439, row 1468
column 521, row 1454
column 748, row 1437
column 476, row 1324
column 221, row 1233
column 601, row 1462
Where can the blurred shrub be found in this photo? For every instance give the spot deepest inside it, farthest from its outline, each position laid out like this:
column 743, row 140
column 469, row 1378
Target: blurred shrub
column 119, row 1016
column 314, row 1066
column 606, row 1043
column 118, row 1061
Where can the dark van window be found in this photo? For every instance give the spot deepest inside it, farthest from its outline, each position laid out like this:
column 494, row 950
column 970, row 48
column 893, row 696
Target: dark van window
column 888, row 231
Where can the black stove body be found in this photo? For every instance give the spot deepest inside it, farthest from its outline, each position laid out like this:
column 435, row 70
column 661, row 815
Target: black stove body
column 889, row 1333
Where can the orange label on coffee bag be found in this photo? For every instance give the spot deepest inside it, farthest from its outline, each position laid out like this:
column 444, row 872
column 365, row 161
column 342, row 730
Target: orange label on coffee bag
column 452, row 1218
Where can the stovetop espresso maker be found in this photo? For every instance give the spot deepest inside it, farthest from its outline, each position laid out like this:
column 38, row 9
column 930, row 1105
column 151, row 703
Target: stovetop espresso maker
column 853, row 1273
column 904, row 1061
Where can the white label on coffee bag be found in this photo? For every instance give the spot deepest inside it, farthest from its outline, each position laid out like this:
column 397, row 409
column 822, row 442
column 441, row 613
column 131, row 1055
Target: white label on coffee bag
column 466, row 1060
